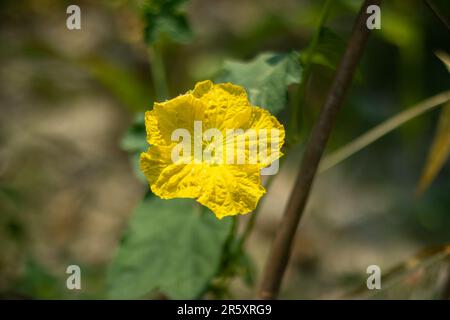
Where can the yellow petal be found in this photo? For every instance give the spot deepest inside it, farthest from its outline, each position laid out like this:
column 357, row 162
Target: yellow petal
column 231, row 189
column 170, row 180
column 274, row 139
column 263, row 134
column 227, row 105
column 166, row 117
column 226, row 190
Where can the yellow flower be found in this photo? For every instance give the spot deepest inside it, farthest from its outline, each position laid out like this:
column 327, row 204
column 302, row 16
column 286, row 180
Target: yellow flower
column 226, row 187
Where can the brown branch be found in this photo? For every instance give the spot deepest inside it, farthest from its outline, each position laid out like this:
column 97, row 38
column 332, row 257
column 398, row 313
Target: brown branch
column 438, row 14
column 446, row 289
column 282, row 245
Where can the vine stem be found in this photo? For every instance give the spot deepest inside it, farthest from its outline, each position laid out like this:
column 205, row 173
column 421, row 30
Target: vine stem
column 299, row 95
column 251, row 222
column 158, row 73
column 282, row 245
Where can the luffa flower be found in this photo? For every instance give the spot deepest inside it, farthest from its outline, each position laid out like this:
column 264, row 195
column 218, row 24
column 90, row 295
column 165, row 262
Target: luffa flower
column 225, row 188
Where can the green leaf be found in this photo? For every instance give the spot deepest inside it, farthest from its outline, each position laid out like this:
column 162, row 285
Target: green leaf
column 439, row 151
column 135, row 160
column 165, row 19
column 170, row 246
column 266, row 78
column 134, row 139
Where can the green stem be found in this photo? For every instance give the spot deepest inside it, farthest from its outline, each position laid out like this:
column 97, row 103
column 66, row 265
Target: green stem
column 233, row 230
column 158, row 73
column 224, row 274
column 251, row 222
column 234, row 249
column 299, row 96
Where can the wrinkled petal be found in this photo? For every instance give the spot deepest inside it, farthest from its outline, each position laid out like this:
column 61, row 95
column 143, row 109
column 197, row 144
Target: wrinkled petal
column 226, row 190
column 260, row 143
column 166, row 117
column 170, row 180
column 227, row 105
column 232, row 189
column 225, row 186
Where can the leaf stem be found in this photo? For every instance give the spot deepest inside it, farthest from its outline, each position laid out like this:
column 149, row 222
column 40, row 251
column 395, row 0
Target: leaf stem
column 299, row 96
column 233, row 249
column 158, row 72
column 281, row 248
column 251, row 222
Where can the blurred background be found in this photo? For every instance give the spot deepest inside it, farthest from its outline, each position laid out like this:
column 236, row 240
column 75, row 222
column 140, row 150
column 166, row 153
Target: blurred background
column 68, row 185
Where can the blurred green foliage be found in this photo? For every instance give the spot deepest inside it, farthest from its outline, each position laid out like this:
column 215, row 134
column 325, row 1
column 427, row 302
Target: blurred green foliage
column 399, row 68
column 165, row 19
column 126, row 87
